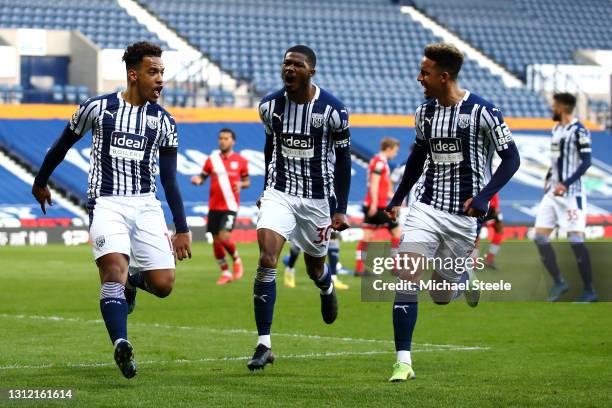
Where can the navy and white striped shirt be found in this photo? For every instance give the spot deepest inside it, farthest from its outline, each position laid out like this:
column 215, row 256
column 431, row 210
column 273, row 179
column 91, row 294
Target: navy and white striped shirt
column 460, row 141
column 304, row 137
column 568, row 142
column 126, row 139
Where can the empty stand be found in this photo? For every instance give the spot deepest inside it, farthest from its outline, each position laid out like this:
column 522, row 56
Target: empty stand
column 521, row 32
column 103, row 21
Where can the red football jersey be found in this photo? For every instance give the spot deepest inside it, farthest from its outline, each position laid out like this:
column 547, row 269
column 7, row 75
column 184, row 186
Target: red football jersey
column 378, row 165
column 225, row 172
column 494, row 203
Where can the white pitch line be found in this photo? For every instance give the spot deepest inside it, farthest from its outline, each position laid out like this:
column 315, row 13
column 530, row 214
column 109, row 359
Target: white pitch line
column 228, row 358
column 238, row 331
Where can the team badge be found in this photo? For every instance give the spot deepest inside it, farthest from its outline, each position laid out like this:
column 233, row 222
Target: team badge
column 152, row 122
column 464, row 120
column 100, row 241
column 317, row 120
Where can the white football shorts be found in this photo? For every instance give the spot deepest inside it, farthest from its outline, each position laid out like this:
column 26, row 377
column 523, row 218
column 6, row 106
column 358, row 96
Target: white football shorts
column 305, row 221
column 566, row 212
column 134, row 226
column 438, row 235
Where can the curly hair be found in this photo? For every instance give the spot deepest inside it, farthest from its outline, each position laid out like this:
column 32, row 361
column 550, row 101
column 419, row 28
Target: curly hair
column 134, row 53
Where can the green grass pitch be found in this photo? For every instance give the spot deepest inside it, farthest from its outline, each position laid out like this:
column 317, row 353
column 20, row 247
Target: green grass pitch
column 192, row 347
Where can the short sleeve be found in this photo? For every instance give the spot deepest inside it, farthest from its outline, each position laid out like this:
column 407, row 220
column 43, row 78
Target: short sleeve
column 169, row 136
column 207, row 169
column 82, row 120
column 493, row 126
column 378, row 167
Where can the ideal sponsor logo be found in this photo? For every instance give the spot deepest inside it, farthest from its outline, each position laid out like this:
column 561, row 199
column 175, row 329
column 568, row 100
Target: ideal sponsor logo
column 296, row 145
column 446, row 149
column 127, row 145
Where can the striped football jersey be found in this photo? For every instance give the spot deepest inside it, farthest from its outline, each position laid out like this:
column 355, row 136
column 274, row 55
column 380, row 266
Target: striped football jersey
column 125, row 142
column 566, row 145
column 460, row 141
column 304, row 137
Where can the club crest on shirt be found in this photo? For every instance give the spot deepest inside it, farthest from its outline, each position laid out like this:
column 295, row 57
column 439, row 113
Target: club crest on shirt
column 464, row 120
column 317, row 120
column 152, row 122
column 100, row 241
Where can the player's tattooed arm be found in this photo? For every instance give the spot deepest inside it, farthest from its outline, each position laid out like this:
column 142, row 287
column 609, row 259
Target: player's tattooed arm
column 52, row 159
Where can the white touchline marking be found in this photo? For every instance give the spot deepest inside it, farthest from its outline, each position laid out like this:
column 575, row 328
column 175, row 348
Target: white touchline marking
column 238, row 331
column 228, row 358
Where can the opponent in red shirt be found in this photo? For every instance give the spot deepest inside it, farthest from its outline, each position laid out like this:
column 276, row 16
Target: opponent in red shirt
column 379, row 192
column 228, row 172
column 494, row 216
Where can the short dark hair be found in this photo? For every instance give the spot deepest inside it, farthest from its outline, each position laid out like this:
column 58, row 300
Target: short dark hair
column 134, row 53
column 567, row 99
column 447, row 56
column 306, row 51
column 230, row 131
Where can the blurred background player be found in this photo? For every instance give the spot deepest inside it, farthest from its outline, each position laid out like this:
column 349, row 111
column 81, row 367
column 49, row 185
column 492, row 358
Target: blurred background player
column 126, row 222
column 457, row 133
column 333, row 263
column 308, row 164
column 229, row 174
column 564, row 202
column 494, row 219
column 377, row 195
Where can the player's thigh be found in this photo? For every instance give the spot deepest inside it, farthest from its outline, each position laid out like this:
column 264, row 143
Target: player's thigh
column 546, row 215
column 151, row 242
column 420, row 232
column 456, row 246
column 277, row 213
column 109, row 229
column 313, row 227
column 213, row 222
column 228, row 220
column 572, row 214
column 113, row 267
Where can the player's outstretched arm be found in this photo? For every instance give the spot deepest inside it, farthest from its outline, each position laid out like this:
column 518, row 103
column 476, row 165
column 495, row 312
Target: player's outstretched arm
column 412, row 172
column 167, row 174
column 52, row 159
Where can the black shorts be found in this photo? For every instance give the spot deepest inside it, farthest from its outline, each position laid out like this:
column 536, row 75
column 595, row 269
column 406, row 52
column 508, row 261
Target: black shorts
column 220, row 221
column 379, row 219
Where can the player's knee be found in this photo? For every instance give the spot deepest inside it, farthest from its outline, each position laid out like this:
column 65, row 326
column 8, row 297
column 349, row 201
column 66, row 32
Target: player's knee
column 164, row 290
column 268, row 260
